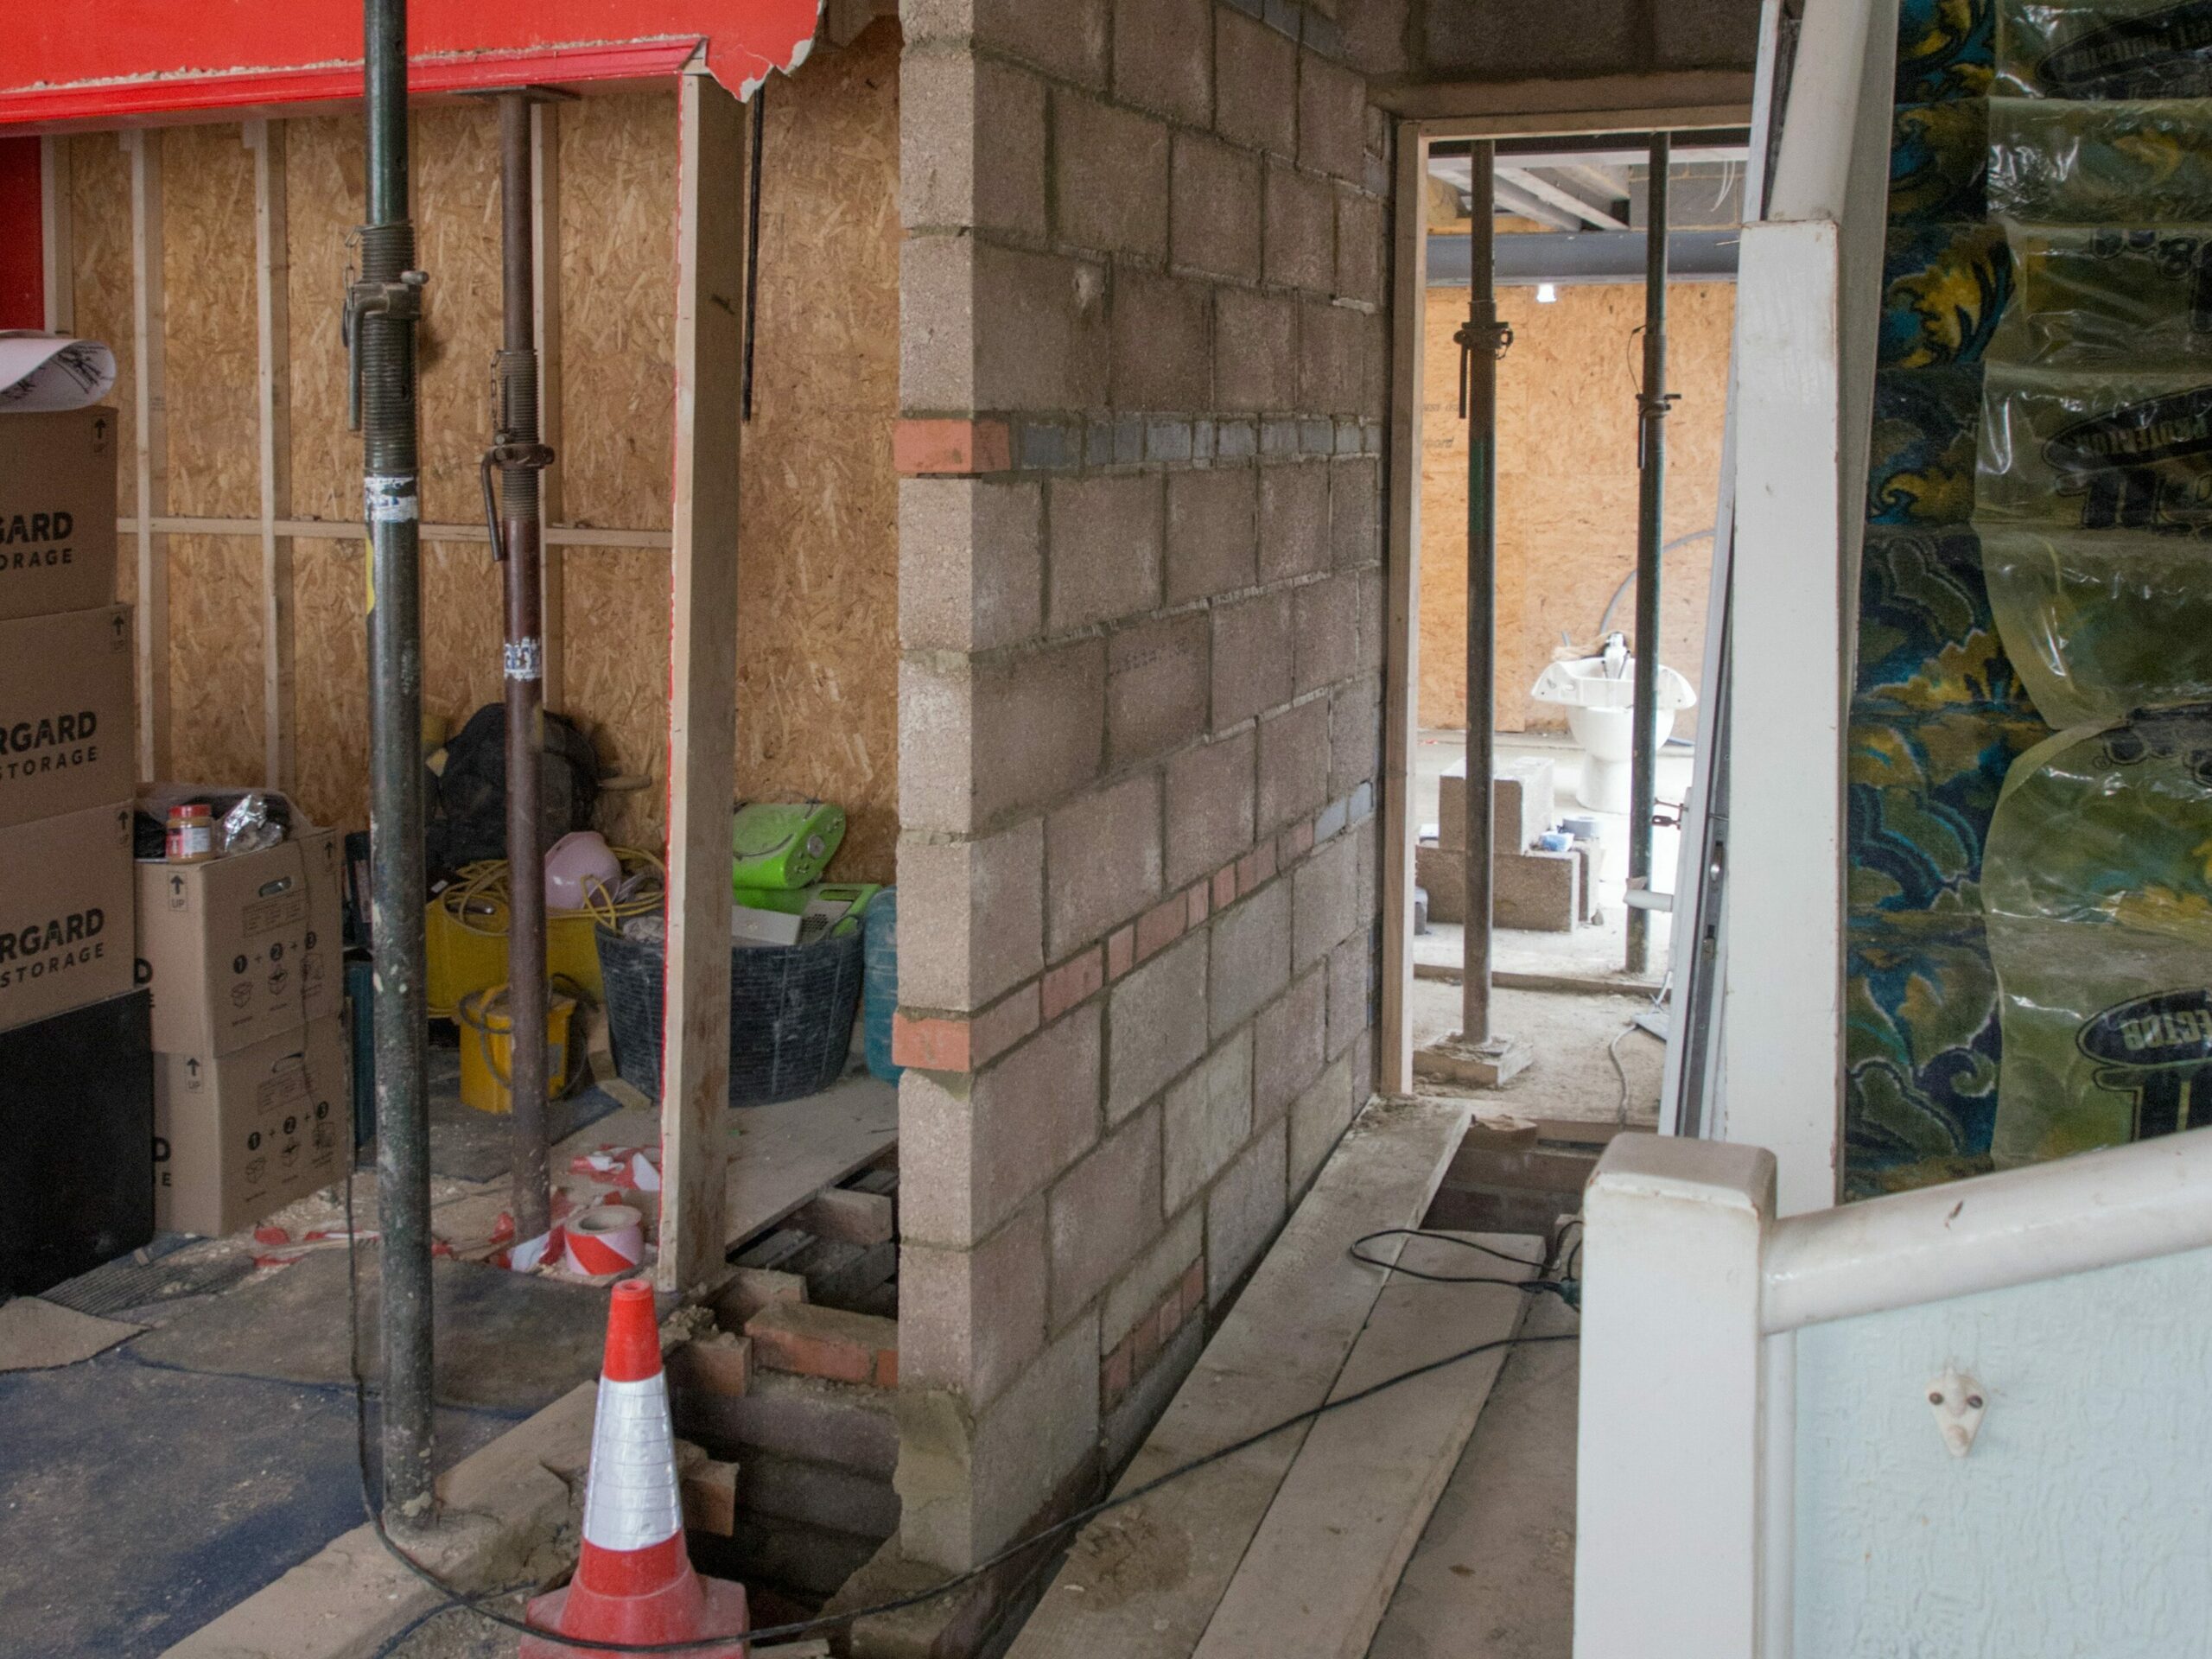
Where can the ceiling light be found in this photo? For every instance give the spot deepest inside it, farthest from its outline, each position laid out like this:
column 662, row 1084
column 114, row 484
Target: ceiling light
column 1545, row 293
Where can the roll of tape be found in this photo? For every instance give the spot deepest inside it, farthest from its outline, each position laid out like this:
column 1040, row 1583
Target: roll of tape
column 610, row 1238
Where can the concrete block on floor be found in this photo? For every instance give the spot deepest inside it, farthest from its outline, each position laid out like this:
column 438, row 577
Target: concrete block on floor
column 826, row 1341
column 721, row 1364
column 1538, row 891
column 1522, row 799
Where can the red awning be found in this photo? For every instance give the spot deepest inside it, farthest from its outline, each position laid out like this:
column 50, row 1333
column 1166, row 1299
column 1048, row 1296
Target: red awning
column 110, row 60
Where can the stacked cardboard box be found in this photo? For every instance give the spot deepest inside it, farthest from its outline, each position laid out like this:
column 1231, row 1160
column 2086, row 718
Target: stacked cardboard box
column 251, row 1073
column 66, row 742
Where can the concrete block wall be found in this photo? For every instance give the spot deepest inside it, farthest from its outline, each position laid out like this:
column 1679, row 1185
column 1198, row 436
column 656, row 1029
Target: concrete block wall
column 1146, row 356
column 1411, row 43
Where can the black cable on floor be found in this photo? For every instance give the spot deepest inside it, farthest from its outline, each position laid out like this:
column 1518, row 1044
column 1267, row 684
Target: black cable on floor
column 780, row 1635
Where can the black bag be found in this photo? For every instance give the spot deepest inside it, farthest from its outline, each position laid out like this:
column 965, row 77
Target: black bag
column 467, row 798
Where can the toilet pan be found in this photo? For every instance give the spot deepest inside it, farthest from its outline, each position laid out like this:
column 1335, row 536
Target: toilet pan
column 1599, row 694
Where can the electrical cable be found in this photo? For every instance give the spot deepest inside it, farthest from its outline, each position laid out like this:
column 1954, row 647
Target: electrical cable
column 1559, row 1287
column 783, row 1635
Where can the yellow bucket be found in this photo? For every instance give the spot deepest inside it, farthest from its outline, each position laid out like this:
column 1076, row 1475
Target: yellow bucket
column 465, row 953
column 487, row 1048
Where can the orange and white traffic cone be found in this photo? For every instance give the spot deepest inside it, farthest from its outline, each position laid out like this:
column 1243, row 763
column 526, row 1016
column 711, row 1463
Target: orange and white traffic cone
column 634, row 1582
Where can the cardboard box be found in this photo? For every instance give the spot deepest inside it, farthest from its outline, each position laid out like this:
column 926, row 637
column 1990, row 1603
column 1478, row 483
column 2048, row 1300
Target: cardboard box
column 57, row 512
column 236, row 1135
column 223, row 946
column 322, row 971
column 66, row 712
column 66, row 933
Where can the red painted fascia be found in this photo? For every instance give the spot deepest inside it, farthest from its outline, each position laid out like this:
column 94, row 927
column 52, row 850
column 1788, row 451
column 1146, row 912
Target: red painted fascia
column 117, row 62
column 22, row 235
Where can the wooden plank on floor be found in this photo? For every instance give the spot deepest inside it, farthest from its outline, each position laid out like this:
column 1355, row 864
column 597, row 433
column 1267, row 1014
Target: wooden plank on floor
column 1143, row 1581
column 781, row 1156
column 1319, row 1573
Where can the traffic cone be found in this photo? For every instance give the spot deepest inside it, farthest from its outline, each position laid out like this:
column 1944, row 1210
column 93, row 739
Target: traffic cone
column 634, row 1582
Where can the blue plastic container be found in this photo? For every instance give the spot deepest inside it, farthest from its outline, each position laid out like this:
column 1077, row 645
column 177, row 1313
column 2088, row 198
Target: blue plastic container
column 879, row 982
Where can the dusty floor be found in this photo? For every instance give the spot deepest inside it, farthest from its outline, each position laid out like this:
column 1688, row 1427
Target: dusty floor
column 1576, row 1039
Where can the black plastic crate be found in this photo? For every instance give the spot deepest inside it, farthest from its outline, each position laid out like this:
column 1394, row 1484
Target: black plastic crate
column 76, row 1142
column 791, row 1009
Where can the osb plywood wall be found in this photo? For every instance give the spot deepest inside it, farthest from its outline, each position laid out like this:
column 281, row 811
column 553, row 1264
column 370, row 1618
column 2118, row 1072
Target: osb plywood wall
column 1566, row 479
column 816, row 692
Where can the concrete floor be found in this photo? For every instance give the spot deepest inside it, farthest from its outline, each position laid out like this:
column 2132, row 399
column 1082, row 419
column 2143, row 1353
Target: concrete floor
column 1572, row 1074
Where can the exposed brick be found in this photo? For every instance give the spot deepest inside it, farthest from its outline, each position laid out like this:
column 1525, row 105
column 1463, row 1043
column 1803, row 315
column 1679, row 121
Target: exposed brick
column 1214, row 208
column 1256, row 84
column 925, row 1044
column 1294, row 521
column 1044, row 341
column 1163, row 58
column 1250, row 959
column 1328, row 900
column 1155, row 1279
column 1224, row 887
column 1293, row 763
column 1072, row 981
column 1349, row 991
column 973, row 1150
column 1196, row 899
column 1161, row 925
column 971, row 1319
column 1194, row 1289
column 1206, row 1118
column 1252, row 656
column 1363, row 234
column 921, row 447
column 975, row 913
column 1210, row 793
column 751, row 1289
column 1255, row 358
column 710, row 1492
column 971, row 563
column 1333, row 116
column 1327, row 627
column 971, row 138
column 1332, row 360
column 1104, row 1211
column 1317, row 1118
column 1113, row 1375
column 826, row 1341
column 1244, row 1211
column 1212, row 531
column 1295, row 843
column 1110, row 177
column 1120, row 951
column 1106, row 536
column 1355, row 513
column 1155, row 1025
column 721, row 1364
column 1000, row 1026
column 1163, row 344
column 1289, row 1037
column 1301, row 229
column 1256, row 868
column 1102, row 862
